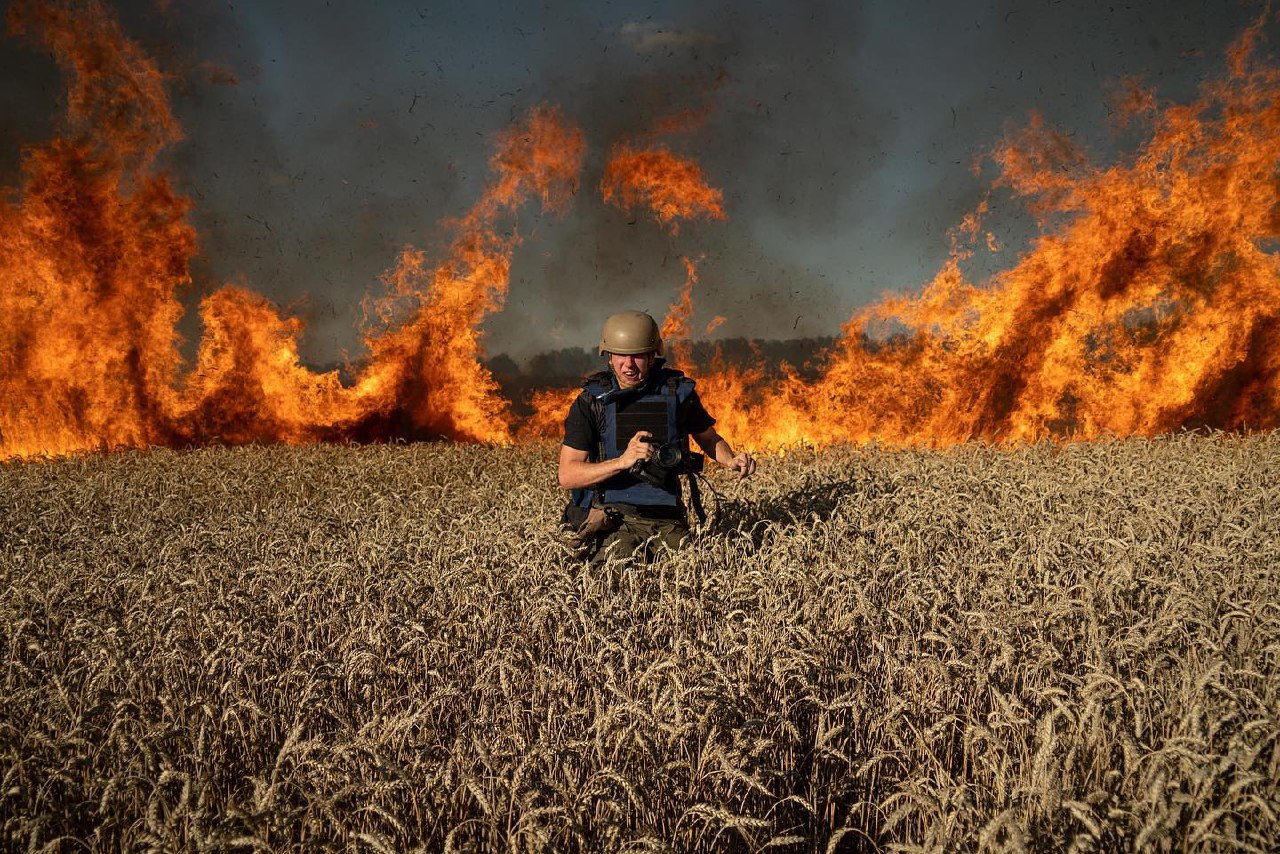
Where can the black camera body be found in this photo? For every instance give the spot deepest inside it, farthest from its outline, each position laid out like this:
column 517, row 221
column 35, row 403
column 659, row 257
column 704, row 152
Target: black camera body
column 670, row 458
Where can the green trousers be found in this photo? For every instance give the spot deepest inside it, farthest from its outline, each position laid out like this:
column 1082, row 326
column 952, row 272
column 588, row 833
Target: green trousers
column 641, row 539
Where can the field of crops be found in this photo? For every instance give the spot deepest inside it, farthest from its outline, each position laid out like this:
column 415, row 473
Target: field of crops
column 384, row 648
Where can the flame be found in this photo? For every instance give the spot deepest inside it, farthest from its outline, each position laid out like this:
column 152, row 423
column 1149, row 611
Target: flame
column 94, row 252
column 430, row 366
column 97, row 247
column 672, row 187
column 1149, row 305
column 676, row 324
column 550, row 406
column 248, row 383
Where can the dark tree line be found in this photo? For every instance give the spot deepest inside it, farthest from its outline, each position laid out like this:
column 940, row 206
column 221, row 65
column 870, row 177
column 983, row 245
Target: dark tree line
column 568, row 366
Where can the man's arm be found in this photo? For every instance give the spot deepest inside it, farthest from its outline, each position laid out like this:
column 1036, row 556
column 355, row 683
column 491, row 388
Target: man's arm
column 577, row 473
column 715, row 446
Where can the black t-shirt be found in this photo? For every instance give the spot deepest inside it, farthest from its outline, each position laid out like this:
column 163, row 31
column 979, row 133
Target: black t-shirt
column 584, row 424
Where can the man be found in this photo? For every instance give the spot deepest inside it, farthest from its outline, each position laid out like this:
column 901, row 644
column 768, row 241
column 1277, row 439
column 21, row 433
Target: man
column 621, row 429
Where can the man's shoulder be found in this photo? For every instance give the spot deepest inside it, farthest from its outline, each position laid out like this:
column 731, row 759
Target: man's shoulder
column 675, row 378
column 599, row 378
column 593, row 385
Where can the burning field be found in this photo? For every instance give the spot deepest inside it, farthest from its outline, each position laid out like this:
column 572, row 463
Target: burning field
column 1147, row 304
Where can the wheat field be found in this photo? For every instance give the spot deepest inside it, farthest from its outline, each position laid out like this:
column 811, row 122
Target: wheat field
column 384, row 648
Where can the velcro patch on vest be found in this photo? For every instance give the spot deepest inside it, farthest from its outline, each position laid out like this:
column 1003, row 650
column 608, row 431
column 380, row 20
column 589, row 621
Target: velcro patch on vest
column 640, row 415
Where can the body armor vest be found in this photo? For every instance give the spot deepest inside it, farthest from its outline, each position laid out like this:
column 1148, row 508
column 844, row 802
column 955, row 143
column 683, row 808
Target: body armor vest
column 654, row 407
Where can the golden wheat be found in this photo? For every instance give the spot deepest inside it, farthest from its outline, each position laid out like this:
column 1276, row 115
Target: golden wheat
column 384, row 648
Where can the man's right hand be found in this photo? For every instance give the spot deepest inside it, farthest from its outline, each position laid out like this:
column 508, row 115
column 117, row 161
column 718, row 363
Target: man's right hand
column 637, row 450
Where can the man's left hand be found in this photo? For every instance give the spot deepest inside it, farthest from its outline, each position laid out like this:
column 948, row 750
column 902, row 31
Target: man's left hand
column 743, row 464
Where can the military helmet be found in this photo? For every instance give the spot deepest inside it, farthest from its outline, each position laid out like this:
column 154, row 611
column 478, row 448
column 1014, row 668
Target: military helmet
column 630, row 332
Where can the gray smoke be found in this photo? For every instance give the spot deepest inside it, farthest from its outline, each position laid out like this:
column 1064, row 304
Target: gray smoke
column 323, row 138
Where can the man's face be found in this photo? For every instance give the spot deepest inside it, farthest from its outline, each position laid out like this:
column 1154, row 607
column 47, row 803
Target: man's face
column 631, row 370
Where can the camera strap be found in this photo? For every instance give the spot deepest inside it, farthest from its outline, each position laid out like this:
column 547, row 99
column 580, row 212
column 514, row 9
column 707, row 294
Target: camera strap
column 695, row 499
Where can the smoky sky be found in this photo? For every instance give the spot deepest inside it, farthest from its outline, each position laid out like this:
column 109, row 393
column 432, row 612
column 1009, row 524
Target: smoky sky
column 323, row 137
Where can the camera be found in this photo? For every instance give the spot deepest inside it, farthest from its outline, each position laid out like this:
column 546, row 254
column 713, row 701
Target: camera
column 670, row 458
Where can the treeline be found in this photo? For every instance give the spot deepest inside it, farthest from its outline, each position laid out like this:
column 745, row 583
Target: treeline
column 568, row 366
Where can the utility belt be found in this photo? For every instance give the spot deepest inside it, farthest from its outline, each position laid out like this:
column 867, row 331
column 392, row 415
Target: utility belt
column 575, row 516
column 660, row 512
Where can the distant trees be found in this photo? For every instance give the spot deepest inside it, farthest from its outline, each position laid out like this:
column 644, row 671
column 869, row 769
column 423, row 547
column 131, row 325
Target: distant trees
column 568, row 366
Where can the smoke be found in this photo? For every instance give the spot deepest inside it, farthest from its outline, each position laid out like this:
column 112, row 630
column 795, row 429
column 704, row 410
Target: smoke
column 29, row 88
column 321, row 140
column 770, row 116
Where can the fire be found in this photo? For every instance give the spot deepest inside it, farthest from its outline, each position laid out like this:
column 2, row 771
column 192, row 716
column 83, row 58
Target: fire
column 1150, row 302
column 429, row 367
column 1148, row 305
column 675, row 326
column 670, row 186
column 93, row 254
column 97, row 247
column 1151, row 307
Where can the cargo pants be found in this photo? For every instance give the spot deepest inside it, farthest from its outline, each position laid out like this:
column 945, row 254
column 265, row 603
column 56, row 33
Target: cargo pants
column 641, row 538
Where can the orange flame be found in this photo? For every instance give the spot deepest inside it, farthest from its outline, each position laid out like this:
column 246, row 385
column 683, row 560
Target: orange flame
column 97, row 246
column 430, row 366
column 93, row 254
column 671, row 186
column 1153, row 306
column 550, row 406
column 675, row 326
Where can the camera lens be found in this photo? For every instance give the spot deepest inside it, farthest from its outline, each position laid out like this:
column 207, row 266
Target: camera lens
column 669, row 455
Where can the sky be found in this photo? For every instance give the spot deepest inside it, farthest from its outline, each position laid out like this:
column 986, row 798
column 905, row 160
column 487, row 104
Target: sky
column 323, row 137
